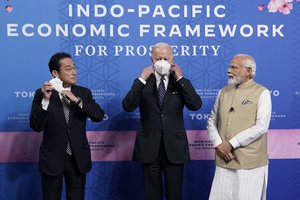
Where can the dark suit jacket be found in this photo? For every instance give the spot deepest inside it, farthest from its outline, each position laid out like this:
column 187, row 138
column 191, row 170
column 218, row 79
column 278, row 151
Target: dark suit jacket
column 52, row 153
column 157, row 122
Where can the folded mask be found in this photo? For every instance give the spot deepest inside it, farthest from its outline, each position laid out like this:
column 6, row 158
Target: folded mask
column 57, row 84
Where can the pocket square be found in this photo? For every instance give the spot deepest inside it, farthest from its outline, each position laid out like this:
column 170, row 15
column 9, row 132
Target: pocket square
column 246, row 102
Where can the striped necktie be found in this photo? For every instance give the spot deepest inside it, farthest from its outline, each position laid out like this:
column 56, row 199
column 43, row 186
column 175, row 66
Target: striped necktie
column 161, row 91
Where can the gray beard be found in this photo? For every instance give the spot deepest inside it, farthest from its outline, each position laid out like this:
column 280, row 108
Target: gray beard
column 235, row 80
column 232, row 81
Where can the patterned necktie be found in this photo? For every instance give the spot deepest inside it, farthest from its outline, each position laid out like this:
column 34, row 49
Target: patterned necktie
column 66, row 107
column 161, row 91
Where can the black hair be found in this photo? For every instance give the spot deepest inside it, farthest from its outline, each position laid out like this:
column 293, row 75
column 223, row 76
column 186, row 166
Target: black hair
column 54, row 60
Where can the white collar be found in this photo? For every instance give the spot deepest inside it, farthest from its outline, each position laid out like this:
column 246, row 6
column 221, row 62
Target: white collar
column 66, row 88
column 158, row 77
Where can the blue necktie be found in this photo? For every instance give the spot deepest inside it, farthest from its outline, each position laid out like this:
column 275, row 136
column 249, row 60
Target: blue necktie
column 161, row 91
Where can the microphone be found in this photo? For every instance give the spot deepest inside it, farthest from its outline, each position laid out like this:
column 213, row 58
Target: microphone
column 231, row 109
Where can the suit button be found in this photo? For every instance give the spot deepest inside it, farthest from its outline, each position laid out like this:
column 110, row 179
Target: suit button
column 162, row 116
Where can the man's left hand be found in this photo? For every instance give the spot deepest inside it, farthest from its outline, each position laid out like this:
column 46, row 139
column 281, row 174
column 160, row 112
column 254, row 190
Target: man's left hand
column 68, row 94
column 224, row 151
column 176, row 71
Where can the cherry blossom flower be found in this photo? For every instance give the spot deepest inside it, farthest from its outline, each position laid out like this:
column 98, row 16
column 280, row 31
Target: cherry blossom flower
column 261, row 7
column 282, row 6
column 274, row 5
column 286, row 8
column 8, row 8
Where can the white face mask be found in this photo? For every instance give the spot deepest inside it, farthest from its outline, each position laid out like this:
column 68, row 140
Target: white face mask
column 57, row 84
column 162, row 67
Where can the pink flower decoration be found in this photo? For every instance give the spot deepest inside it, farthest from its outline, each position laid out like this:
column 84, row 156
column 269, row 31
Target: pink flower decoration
column 261, row 7
column 282, row 6
column 274, row 5
column 8, row 8
column 286, row 8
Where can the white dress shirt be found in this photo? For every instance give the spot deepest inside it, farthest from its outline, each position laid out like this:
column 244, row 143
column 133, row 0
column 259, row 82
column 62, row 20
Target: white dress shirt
column 45, row 103
column 241, row 184
column 249, row 135
column 158, row 77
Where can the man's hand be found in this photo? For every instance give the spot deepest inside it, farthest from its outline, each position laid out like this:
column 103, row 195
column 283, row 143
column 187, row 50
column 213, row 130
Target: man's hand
column 146, row 73
column 176, row 71
column 47, row 90
column 224, row 151
column 69, row 95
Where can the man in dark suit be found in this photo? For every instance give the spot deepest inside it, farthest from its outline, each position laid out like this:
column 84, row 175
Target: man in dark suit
column 60, row 109
column 161, row 145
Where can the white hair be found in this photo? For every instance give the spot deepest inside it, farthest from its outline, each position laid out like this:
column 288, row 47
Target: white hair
column 160, row 44
column 248, row 62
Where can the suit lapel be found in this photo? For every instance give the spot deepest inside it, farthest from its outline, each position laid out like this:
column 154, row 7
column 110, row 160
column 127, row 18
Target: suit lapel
column 72, row 109
column 169, row 90
column 59, row 110
column 152, row 82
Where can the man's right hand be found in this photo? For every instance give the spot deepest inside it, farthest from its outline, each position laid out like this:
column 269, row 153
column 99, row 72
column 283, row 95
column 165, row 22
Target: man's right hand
column 224, row 151
column 146, row 73
column 226, row 157
column 47, row 90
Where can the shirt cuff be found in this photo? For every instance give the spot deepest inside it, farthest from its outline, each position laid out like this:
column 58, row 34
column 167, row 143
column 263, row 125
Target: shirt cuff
column 142, row 80
column 217, row 142
column 45, row 104
column 234, row 143
column 179, row 78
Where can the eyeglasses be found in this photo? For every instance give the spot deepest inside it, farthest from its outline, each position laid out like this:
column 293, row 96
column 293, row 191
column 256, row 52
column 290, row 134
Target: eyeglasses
column 233, row 67
column 68, row 69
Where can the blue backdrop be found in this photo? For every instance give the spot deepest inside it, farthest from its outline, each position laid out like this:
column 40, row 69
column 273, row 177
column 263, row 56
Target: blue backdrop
column 110, row 41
